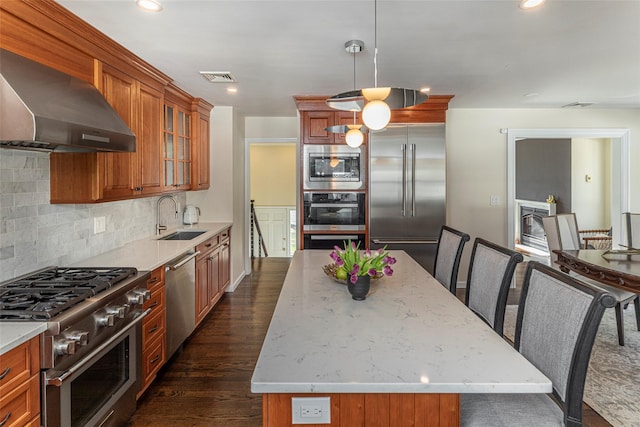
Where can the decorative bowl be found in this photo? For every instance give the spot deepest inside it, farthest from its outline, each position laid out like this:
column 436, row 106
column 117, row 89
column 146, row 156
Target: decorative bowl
column 331, row 269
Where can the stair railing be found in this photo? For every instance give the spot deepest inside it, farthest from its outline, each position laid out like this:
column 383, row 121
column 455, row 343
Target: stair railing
column 256, row 225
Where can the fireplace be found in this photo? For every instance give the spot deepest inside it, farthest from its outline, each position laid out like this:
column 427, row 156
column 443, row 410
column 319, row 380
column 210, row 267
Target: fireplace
column 529, row 229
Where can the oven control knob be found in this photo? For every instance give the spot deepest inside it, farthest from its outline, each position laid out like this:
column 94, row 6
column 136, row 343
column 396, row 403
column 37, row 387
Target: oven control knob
column 65, row 346
column 118, row 312
column 79, row 337
column 107, row 320
column 140, row 296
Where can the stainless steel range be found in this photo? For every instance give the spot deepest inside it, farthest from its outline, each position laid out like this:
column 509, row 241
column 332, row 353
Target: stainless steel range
column 91, row 350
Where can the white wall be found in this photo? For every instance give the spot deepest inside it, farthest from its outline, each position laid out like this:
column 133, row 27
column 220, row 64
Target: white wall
column 591, row 200
column 271, row 128
column 477, row 161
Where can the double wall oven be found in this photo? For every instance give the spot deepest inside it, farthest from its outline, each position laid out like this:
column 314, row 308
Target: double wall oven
column 334, row 208
column 91, row 351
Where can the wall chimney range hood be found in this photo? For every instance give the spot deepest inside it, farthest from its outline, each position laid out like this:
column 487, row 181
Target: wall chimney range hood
column 45, row 110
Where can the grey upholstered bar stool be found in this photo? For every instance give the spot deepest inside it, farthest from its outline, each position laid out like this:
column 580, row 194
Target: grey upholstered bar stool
column 490, row 273
column 448, row 255
column 558, row 318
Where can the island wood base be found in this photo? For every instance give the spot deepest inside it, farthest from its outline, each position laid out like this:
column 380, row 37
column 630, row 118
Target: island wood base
column 370, row 409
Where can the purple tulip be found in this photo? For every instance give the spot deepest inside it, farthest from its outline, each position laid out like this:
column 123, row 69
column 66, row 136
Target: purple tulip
column 353, row 278
column 372, row 272
column 356, row 269
column 387, row 271
column 339, row 262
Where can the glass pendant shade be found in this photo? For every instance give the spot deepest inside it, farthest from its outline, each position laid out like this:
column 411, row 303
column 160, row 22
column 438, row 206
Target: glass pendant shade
column 376, row 114
column 354, row 138
column 376, row 93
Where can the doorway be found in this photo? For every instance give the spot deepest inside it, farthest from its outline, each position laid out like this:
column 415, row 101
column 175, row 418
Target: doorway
column 619, row 180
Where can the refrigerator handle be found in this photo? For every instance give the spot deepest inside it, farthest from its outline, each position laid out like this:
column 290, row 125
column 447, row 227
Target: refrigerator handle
column 403, row 147
column 413, row 179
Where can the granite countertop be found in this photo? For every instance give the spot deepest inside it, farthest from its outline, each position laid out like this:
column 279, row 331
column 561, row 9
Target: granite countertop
column 144, row 254
column 410, row 335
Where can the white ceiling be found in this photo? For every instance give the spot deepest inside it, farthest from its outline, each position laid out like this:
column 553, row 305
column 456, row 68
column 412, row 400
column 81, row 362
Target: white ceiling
column 488, row 53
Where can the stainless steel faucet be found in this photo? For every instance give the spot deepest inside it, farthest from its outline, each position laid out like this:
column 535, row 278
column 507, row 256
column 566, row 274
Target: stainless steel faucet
column 159, row 227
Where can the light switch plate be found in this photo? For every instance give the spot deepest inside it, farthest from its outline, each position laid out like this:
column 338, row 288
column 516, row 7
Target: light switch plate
column 99, row 224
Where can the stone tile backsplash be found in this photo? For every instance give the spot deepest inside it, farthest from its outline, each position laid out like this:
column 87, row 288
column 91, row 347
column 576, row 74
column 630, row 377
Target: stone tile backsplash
column 36, row 234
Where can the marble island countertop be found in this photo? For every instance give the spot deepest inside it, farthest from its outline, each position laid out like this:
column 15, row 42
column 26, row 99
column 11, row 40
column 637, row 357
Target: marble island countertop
column 410, row 335
column 144, row 254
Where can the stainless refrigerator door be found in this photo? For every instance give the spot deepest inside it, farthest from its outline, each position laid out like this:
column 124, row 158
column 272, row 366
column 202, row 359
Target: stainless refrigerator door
column 387, row 187
column 426, row 180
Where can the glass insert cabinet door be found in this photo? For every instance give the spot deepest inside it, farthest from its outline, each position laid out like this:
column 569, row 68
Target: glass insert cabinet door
column 177, row 147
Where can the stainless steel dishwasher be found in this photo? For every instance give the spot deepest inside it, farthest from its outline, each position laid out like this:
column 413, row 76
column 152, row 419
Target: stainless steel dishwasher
column 180, row 280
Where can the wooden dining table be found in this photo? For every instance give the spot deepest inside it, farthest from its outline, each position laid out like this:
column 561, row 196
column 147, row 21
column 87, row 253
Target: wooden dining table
column 615, row 268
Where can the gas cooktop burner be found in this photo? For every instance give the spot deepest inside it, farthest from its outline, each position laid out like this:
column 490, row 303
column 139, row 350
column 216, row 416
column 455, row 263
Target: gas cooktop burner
column 45, row 293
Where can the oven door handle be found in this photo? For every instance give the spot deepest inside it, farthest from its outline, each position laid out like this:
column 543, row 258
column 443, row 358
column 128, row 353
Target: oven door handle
column 57, row 381
column 334, row 205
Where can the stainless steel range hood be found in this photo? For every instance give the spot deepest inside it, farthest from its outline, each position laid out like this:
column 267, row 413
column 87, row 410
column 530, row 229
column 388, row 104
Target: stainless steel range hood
column 44, row 109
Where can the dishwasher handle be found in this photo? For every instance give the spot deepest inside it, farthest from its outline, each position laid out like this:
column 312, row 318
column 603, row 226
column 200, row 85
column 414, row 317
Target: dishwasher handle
column 182, row 262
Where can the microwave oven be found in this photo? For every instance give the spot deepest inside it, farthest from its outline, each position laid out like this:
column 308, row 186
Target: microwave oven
column 333, row 167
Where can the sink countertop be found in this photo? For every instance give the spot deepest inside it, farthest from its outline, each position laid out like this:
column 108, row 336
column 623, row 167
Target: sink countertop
column 144, row 254
column 150, row 253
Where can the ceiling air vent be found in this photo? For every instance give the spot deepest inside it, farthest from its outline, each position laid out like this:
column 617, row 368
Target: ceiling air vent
column 578, row 105
column 219, row 76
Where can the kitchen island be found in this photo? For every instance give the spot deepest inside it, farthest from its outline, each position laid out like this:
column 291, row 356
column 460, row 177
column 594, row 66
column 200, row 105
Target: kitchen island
column 404, row 354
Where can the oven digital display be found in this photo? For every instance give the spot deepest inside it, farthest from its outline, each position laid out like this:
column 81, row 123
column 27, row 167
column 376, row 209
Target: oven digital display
column 334, row 167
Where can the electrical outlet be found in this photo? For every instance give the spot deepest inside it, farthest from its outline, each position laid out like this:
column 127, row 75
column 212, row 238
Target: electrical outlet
column 99, row 224
column 311, row 410
column 495, row 200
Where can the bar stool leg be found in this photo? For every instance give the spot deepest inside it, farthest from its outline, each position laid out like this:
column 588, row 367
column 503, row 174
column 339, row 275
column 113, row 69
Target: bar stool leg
column 620, row 323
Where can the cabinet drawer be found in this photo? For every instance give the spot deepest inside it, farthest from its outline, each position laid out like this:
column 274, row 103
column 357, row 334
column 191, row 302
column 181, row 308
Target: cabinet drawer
column 224, row 235
column 153, row 326
column 20, row 405
column 18, row 364
column 208, row 245
column 156, row 279
column 153, row 359
column 157, row 300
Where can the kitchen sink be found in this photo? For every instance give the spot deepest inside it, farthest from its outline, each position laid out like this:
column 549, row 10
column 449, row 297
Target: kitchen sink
column 183, row 235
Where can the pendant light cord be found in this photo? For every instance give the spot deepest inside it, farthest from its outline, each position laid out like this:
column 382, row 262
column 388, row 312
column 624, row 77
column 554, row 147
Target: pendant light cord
column 354, row 82
column 375, row 43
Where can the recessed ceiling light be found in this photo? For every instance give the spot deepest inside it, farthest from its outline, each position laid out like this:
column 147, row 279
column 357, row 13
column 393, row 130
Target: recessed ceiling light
column 425, row 89
column 149, row 5
column 530, row 4
column 531, row 94
column 232, row 89
column 578, row 105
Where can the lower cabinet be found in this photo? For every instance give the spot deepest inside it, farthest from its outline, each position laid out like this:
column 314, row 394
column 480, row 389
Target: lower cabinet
column 154, row 329
column 212, row 273
column 20, row 385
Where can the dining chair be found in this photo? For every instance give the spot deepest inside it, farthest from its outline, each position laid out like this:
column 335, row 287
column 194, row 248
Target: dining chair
column 561, row 231
column 556, row 326
column 448, row 255
column 490, row 273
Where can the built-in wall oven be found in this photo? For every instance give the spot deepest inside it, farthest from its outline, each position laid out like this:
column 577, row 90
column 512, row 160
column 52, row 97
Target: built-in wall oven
column 334, row 211
column 333, row 167
column 328, row 241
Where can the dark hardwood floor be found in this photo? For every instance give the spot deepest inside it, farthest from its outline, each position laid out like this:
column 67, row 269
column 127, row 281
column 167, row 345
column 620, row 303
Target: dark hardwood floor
column 208, row 383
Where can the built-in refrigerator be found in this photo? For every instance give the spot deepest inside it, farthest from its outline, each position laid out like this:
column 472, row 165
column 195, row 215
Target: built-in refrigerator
column 407, row 189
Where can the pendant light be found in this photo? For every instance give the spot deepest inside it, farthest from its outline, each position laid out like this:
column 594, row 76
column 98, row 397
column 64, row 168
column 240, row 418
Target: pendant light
column 376, row 103
column 353, row 133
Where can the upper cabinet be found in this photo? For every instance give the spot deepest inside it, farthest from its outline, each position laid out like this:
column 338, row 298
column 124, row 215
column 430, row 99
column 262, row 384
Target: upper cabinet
column 314, row 124
column 200, row 117
column 171, row 126
column 178, row 141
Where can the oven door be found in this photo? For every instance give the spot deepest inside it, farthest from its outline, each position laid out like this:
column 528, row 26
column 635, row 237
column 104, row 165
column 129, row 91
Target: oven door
column 334, row 211
column 100, row 389
column 329, row 241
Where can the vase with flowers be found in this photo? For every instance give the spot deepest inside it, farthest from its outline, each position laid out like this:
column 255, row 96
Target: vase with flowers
column 357, row 267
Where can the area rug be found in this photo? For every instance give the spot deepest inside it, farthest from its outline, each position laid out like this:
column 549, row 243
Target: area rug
column 612, row 387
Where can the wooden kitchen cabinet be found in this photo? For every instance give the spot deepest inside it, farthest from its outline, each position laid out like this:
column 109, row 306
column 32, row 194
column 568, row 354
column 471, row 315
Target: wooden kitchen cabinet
column 200, row 117
column 212, row 272
column 315, row 122
column 97, row 177
column 178, row 144
column 154, row 331
column 20, row 384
